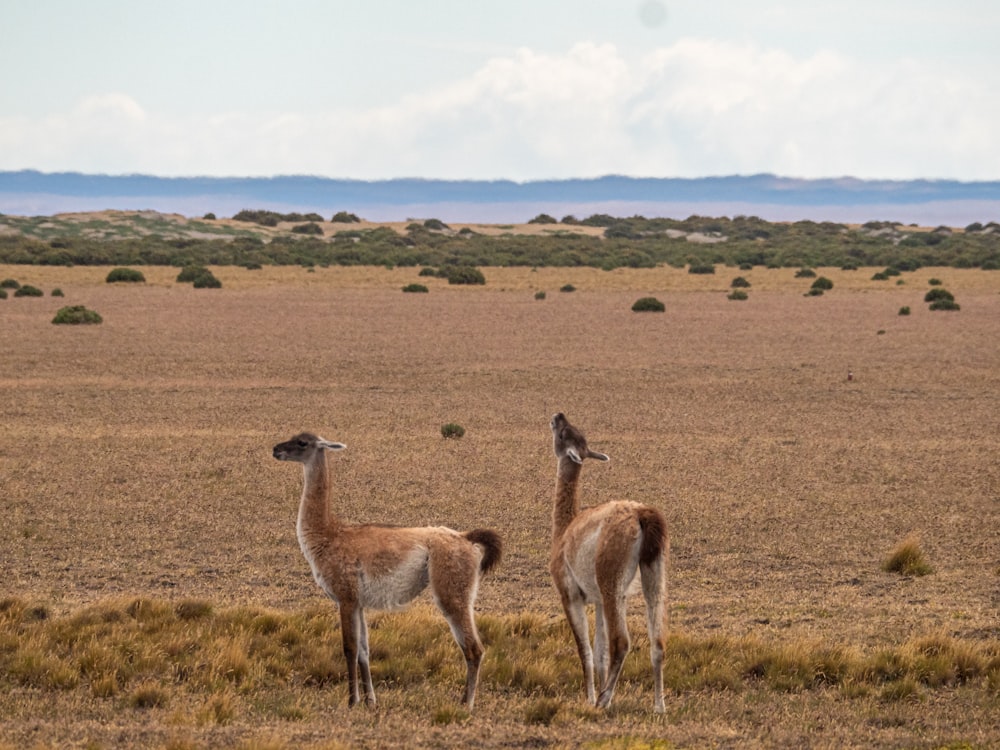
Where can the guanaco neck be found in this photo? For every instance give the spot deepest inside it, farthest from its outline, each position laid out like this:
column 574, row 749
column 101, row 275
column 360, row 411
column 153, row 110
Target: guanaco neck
column 315, row 519
column 567, row 503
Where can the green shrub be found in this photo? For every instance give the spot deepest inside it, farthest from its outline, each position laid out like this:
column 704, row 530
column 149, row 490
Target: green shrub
column 944, row 304
column 191, row 274
column 939, row 293
column 207, row 280
column 934, row 282
column 343, row 217
column 435, row 224
column 452, row 431
column 428, row 272
column 738, row 294
column 3, row 294
column 905, row 310
column 543, row 219
column 822, row 283
column 129, row 275
column 58, row 292
column 880, row 276
column 465, row 275
column 76, row 315
column 414, row 288
column 567, row 288
column 703, row 268
column 648, row 304
column 814, row 292
column 805, row 273
column 209, row 216
column 539, row 295
column 308, row 228
column 28, row 291
column 740, row 283
column 10, row 284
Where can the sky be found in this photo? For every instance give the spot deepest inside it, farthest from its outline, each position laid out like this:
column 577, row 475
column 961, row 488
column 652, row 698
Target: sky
column 520, row 89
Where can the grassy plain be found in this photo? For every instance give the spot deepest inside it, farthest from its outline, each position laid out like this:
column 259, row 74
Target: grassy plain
column 148, row 547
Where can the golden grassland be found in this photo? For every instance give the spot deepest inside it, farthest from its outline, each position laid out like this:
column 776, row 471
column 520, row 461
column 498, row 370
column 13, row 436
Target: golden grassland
column 154, row 593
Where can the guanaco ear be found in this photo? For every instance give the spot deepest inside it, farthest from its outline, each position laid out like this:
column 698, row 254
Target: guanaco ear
column 330, row 445
column 598, row 456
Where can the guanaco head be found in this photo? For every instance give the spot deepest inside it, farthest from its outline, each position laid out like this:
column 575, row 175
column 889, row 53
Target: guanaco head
column 569, row 442
column 303, row 447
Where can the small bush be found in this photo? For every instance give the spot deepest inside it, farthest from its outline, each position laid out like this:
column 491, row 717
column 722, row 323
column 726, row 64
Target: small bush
column 190, row 273
column 567, row 288
column 814, row 292
column 428, row 272
column 905, row 310
column 435, row 224
column 209, row 216
column 543, row 219
column 310, row 227
column 58, row 293
column 452, row 430
column 740, row 283
column 944, row 304
column 939, row 293
column 129, row 275
column 648, row 304
column 465, row 275
column 880, row 276
column 702, row 268
column 76, row 315
column 539, row 295
column 907, row 558
column 934, row 282
column 343, row 217
column 822, row 283
column 738, row 295
column 10, row 284
column 414, row 288
column 28, row 291
column 3, row 294
column 805, row 273
column 207, row 281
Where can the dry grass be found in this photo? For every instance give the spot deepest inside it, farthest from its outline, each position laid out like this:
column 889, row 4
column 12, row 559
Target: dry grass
column 149, row 539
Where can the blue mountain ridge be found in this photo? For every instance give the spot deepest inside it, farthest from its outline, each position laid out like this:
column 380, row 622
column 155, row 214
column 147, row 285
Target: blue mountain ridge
column 66, row 191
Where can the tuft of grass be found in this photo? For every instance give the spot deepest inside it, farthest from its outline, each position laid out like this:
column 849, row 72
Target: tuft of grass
column 148, row 696
column 904, row 310
column 446, row 715
column 193, row 609
column 452, row 431
column 542, row 711
column 420, row 288
column 907, row 558
column 738, row 295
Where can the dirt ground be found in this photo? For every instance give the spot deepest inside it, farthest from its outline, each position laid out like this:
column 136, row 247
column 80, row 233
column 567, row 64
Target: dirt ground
column 135, row 455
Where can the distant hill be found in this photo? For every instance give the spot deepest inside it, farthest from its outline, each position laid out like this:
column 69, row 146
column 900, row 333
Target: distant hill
column 925, row 202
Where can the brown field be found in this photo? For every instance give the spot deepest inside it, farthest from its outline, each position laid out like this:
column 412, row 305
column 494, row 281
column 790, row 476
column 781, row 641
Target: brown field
column 135, row 462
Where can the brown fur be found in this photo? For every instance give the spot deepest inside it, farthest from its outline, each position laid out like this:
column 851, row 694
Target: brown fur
column 596, row 553
column 385, row 567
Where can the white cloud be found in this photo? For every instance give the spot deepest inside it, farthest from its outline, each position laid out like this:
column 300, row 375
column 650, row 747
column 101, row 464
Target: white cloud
column 699, row 107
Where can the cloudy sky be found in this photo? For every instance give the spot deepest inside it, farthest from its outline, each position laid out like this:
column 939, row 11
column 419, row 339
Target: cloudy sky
column 519, row 89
